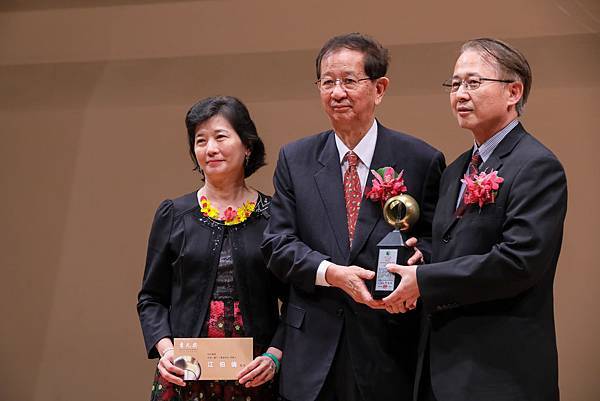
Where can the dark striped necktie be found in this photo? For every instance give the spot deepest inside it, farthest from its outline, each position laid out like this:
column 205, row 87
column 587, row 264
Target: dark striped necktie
column 473, row 169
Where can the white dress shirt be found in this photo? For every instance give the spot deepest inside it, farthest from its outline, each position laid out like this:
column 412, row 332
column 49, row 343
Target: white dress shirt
column 364, row 150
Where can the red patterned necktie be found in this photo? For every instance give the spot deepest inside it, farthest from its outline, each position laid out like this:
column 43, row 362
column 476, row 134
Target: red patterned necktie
column 352, row 193
column 473, row 169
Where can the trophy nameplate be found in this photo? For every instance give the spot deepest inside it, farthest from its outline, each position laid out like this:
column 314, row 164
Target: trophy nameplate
column 401, row 212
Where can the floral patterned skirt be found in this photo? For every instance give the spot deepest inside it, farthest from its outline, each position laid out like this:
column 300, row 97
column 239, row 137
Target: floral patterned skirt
column 220, row 323
column 218, row 390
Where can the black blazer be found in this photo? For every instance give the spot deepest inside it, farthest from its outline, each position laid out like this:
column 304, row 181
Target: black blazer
column 488, row 292
column 308, row 225
column 181, row 268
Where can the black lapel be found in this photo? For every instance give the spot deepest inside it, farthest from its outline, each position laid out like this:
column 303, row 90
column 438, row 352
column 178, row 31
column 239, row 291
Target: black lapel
column 331, row 189
column 370, row 212
column 455, row 174
column 454, row 187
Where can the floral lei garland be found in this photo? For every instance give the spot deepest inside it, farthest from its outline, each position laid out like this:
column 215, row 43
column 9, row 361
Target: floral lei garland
column 230, row 216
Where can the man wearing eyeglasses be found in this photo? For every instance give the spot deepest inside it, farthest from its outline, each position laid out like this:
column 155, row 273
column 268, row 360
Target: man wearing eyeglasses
column 497, row 235
column 340, row 343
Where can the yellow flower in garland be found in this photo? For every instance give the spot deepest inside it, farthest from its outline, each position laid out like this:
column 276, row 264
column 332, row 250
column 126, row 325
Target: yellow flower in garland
column 240, row 215
column 207, row 209
column 246, row 210
column 230, row 216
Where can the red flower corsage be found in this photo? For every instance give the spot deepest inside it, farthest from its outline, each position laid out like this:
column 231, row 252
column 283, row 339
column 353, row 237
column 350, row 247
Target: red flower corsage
column 387, row 183
column 481, row 188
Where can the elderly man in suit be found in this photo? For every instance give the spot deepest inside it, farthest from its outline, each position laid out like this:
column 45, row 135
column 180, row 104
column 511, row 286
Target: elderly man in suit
column 497, row 232
column 340, row 343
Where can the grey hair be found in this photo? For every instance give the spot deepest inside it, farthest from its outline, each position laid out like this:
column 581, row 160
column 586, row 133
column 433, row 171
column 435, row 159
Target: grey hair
column 508, row 59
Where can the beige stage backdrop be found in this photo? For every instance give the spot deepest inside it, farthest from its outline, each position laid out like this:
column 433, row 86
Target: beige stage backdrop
column 93, row 95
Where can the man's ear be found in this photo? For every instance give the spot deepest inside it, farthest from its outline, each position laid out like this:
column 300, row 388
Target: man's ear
column 381, row 86
column 515, row 92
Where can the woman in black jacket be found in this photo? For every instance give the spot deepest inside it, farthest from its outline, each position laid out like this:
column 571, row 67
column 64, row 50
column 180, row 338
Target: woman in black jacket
column 205, row 275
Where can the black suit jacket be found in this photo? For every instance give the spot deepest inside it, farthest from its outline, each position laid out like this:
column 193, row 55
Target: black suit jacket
column 181, row 268
column 308, row 225
column 488, row 292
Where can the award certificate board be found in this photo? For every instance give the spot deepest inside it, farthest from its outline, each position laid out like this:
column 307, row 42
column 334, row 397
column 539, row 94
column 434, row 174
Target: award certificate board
column 213, row 358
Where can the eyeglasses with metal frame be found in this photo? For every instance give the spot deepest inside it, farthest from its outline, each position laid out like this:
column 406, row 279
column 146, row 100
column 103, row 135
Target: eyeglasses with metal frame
column 348, row 83
column 470, row 84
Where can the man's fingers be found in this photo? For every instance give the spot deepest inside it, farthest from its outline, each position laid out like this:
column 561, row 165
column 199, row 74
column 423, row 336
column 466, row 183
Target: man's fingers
column 357, row 289
column 364, row 273
column 412, row 241
column 394, row 268
column 395, row 302
column 396, row 308
column 396, row 296
column 415, row 259
column 355, row 286
column 376, row 304
column 391, row 309
column 365, row 298
column 411, row 304
column 363, row 294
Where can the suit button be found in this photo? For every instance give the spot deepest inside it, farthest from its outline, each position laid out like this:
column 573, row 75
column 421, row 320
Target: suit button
column 339, row 312
column 446, row 239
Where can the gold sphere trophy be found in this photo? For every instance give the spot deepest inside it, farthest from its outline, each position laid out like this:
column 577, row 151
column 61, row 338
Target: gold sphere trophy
column 401, row 212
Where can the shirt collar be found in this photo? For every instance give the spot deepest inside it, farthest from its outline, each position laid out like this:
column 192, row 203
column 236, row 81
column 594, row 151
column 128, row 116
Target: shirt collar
column 365, row 148
column 488, row 147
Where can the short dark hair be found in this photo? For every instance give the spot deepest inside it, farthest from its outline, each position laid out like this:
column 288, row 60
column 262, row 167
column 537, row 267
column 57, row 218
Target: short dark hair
column 509, row 60
column 236, row 113
column 376, row 57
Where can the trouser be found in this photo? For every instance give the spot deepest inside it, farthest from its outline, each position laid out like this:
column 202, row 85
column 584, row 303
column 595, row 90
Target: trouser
column 340, row 384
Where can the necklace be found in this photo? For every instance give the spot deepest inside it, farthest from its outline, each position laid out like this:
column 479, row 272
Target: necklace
column 230, row 216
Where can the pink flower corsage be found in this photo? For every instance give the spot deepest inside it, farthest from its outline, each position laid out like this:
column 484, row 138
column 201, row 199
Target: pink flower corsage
column 387, row 183
column 481, row 188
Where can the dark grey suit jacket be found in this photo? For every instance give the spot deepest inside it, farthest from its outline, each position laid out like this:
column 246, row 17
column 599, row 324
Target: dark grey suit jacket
column 488, row 293
column 308, row 224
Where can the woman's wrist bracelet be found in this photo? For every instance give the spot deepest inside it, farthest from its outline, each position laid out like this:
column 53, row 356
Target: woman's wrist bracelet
column 274, row 359
column 167, row 350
